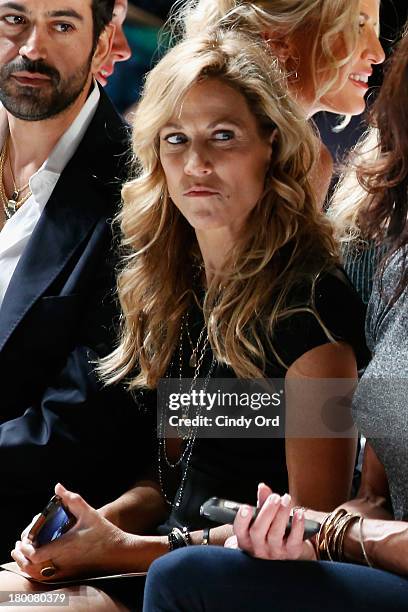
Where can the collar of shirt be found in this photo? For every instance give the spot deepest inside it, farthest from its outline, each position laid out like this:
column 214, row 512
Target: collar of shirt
column 44, row 180
column 17, row 231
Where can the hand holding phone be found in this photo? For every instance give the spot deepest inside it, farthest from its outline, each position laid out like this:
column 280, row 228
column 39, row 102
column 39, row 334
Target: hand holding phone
column 224, row 511
column 52, row 523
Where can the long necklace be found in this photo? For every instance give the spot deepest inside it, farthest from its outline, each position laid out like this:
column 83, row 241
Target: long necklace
column 190, row 433
column 193, row 357
column 11, row 205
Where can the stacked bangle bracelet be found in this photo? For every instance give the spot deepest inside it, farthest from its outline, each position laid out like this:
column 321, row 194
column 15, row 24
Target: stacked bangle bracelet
column 330, row 539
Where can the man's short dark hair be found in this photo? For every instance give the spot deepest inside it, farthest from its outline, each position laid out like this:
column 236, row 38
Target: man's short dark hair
column 102, row 12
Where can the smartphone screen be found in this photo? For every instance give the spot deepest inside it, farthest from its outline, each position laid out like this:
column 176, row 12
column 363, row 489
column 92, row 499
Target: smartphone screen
column 53, row 522
column 54, row 527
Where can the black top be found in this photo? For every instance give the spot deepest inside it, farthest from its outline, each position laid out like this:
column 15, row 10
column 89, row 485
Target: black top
column 232, row 468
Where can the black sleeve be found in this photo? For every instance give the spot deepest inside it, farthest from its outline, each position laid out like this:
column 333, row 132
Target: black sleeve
column 341, row 312
column 96, row 441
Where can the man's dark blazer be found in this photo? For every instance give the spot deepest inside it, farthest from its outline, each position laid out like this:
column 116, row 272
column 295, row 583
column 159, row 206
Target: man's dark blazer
column 57, row 422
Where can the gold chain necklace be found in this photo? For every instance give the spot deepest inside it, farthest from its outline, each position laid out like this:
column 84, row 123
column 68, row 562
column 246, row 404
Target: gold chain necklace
column 10, row 205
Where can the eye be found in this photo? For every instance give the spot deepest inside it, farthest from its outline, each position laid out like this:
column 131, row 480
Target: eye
column 362, row 22
column 224, row 135
column 64, row 27
column 14, row 19
column 175, row 139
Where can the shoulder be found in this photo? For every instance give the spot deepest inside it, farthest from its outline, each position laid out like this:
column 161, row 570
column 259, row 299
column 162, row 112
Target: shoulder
column 330, row 311
column 333, row 290
column 105, row 147
column 100, row 164
column 338, row 303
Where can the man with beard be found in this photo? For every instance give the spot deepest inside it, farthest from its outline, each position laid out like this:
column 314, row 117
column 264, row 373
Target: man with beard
column 63, row 152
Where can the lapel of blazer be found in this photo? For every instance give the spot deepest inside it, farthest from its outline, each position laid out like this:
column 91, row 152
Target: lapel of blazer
column 87, row 191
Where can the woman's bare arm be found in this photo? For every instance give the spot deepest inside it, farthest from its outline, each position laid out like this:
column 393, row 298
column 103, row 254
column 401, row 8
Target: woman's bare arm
column 320, row 468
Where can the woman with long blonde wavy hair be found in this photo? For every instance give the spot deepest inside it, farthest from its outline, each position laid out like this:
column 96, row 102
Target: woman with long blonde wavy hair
column 229, row 272
column 360, row 561
column 327, row 49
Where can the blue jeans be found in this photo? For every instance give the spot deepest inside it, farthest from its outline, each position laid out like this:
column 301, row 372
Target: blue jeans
column 215, row 579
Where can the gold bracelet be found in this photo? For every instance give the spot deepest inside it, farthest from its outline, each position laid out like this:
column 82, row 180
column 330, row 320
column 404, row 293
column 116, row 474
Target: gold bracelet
column 360, row 525
column 326, row 528
column 340, row 542
column 330, row 539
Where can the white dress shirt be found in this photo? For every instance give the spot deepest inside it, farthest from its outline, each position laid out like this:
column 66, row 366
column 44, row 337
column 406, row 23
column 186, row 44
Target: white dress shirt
column 16, row 232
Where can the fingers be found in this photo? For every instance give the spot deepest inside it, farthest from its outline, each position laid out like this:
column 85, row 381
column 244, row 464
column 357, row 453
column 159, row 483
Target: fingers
column 19, row 554
column 241, row 527
column 252, row 537
column 276, row 529
column 20, row 558
column 26, row 531
column 32, row 556
column 266, row 525
column 263, row 493
column 266, row 537
column 294, row 541
column 74, row 502
column 231, row 542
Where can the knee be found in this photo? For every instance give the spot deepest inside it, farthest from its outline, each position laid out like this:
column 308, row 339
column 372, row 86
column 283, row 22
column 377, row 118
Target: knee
column 170, row 576
column 173, row 569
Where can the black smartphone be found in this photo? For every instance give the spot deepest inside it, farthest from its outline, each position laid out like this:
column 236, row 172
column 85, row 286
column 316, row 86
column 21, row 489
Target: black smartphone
column 53, row 521
column 223, row 511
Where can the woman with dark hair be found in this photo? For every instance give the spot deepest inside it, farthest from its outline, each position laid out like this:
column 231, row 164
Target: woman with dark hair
column 373, row 529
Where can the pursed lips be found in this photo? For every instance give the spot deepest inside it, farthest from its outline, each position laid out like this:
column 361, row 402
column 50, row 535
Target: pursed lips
column 200, row 191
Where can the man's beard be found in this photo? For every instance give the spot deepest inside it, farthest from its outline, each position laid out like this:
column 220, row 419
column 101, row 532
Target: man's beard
column 39, row 103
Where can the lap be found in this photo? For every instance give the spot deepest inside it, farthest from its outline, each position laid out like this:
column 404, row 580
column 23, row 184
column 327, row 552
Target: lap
column 205, row 578
column 81, row 597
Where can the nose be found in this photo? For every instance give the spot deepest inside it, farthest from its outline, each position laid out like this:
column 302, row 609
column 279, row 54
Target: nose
column 197, row 163
column 120, row 48
column 374, row 51
column 34, row 47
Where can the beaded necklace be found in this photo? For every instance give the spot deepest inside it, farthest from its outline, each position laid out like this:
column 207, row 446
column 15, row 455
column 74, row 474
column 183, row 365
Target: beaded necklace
column 188, row 434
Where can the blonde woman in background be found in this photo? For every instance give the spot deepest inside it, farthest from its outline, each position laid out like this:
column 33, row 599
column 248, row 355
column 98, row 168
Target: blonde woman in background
column 229, row 271
column 328, row 50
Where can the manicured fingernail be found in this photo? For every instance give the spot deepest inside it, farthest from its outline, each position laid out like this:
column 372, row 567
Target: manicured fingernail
column 244, row 511
column 285, row 501
column 273, row 499
column 300, row 513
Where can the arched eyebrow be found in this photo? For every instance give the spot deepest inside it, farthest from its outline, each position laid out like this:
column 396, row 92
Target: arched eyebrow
column 376, row 25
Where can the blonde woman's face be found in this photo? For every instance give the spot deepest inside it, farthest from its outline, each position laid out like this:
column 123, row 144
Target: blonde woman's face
column 346, row 96
column 349, row 98
column 214, row 158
